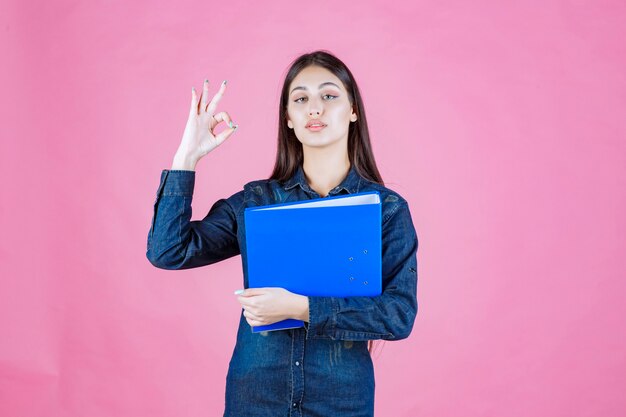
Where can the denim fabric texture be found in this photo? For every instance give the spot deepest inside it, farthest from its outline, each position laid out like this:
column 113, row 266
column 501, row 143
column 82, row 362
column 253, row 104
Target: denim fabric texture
column 323, row 369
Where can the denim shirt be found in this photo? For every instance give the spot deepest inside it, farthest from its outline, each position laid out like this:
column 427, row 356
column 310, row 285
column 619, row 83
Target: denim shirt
column 324, row 368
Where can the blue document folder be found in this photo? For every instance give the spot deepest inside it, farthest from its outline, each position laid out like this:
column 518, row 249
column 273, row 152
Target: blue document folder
column 328, row 246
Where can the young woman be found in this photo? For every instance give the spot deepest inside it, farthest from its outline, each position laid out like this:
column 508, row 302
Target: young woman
column 325, row 368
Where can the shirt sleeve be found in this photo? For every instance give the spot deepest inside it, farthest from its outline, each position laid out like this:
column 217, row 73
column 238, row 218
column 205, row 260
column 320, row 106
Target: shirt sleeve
column 389, row 316
column 176, row 242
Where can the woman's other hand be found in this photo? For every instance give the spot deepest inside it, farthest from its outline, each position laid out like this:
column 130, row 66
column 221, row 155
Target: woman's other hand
column 198, row 137
column 263, row 306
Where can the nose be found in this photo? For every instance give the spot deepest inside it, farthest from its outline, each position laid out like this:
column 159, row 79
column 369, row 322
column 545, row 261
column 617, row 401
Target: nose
column 315, row 107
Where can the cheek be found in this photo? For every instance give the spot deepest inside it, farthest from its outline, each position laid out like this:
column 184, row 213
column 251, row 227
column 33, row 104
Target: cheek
column 293, row 115
column 341, row 116
column 341, row 109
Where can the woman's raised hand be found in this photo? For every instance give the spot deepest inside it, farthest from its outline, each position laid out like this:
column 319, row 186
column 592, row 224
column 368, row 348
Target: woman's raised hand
column 198, row 138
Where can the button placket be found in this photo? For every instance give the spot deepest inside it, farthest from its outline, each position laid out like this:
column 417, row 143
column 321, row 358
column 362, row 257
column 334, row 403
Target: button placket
column 297, row 371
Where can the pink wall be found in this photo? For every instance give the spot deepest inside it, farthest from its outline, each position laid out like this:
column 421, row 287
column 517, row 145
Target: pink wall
column 503, row 125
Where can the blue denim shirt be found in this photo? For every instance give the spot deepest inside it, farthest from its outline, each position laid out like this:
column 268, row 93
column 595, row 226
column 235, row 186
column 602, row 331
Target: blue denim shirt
column 324, row 368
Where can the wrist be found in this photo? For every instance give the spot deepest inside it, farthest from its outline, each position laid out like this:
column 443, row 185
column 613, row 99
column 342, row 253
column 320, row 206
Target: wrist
column 302, row 307
column 184, row 162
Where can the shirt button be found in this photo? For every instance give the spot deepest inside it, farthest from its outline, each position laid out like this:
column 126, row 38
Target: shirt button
column 294, row 404
column 297, row 363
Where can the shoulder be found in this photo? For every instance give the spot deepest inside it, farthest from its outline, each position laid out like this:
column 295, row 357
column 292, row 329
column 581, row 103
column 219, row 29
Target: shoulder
column 254, row 193
column 391, row 200
column 260, row 187
column 263, row 192
column 397, row 222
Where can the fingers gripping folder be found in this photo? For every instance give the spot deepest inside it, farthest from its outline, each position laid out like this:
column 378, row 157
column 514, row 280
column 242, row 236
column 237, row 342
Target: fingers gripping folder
column 321, row 247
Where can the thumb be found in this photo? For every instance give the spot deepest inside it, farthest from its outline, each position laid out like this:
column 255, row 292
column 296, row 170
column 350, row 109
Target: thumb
column 250, row 292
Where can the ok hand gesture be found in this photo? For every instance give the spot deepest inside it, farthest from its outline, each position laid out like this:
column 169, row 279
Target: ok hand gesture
column 199, row 138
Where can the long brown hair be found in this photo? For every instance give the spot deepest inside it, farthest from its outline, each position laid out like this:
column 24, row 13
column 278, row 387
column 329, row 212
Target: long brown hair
column 289, row 155
column 289, row 152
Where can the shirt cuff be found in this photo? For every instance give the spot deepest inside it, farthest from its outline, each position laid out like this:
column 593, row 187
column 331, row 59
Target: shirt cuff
column 322, row 317
column 178, row 182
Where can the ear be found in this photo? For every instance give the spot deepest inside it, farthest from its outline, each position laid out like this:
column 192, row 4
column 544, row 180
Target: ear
column 289, row 123
column 353, row 116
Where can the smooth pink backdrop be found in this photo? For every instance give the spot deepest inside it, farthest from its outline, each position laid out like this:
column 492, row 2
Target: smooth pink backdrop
column 502, row 123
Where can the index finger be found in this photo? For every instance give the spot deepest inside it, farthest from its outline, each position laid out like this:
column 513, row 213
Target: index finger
column 216, row 98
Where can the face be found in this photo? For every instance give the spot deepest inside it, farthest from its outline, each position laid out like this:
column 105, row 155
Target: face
column 316, row 93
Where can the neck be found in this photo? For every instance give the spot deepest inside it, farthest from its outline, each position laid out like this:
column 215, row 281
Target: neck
column 324, row 169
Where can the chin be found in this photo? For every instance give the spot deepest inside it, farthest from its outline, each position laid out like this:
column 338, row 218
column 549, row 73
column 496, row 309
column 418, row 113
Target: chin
column 317, row 143
column 315, row 140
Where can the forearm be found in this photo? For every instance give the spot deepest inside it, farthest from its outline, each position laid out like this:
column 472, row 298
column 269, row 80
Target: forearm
column 300, row 307
column 171, row 209
column 389, row 316
column 184, row 162
column 176, row 242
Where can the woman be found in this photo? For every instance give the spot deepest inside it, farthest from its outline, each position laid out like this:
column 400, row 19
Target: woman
column 325, row 368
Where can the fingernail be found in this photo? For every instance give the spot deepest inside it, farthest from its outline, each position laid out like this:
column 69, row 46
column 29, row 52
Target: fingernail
column 239, row 292
column 224, row 82
column 206, row 81
column 230, row 124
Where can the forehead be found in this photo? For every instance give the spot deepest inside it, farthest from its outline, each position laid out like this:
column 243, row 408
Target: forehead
column 312, row 76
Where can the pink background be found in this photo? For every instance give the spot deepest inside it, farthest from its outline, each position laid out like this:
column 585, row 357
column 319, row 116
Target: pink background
column 502, row 123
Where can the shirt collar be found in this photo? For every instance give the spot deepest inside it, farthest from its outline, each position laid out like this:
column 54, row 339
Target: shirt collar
column 350, row 183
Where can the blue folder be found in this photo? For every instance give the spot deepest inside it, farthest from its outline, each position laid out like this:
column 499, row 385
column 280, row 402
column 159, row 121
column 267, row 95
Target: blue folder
column 328, row 246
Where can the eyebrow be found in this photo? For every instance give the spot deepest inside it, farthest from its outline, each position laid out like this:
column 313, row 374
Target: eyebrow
column 301, row 87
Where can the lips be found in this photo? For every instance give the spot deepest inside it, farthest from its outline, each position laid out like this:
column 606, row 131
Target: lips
column 315, row 123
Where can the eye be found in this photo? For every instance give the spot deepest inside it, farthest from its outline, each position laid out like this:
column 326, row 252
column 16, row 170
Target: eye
column 325, row 95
